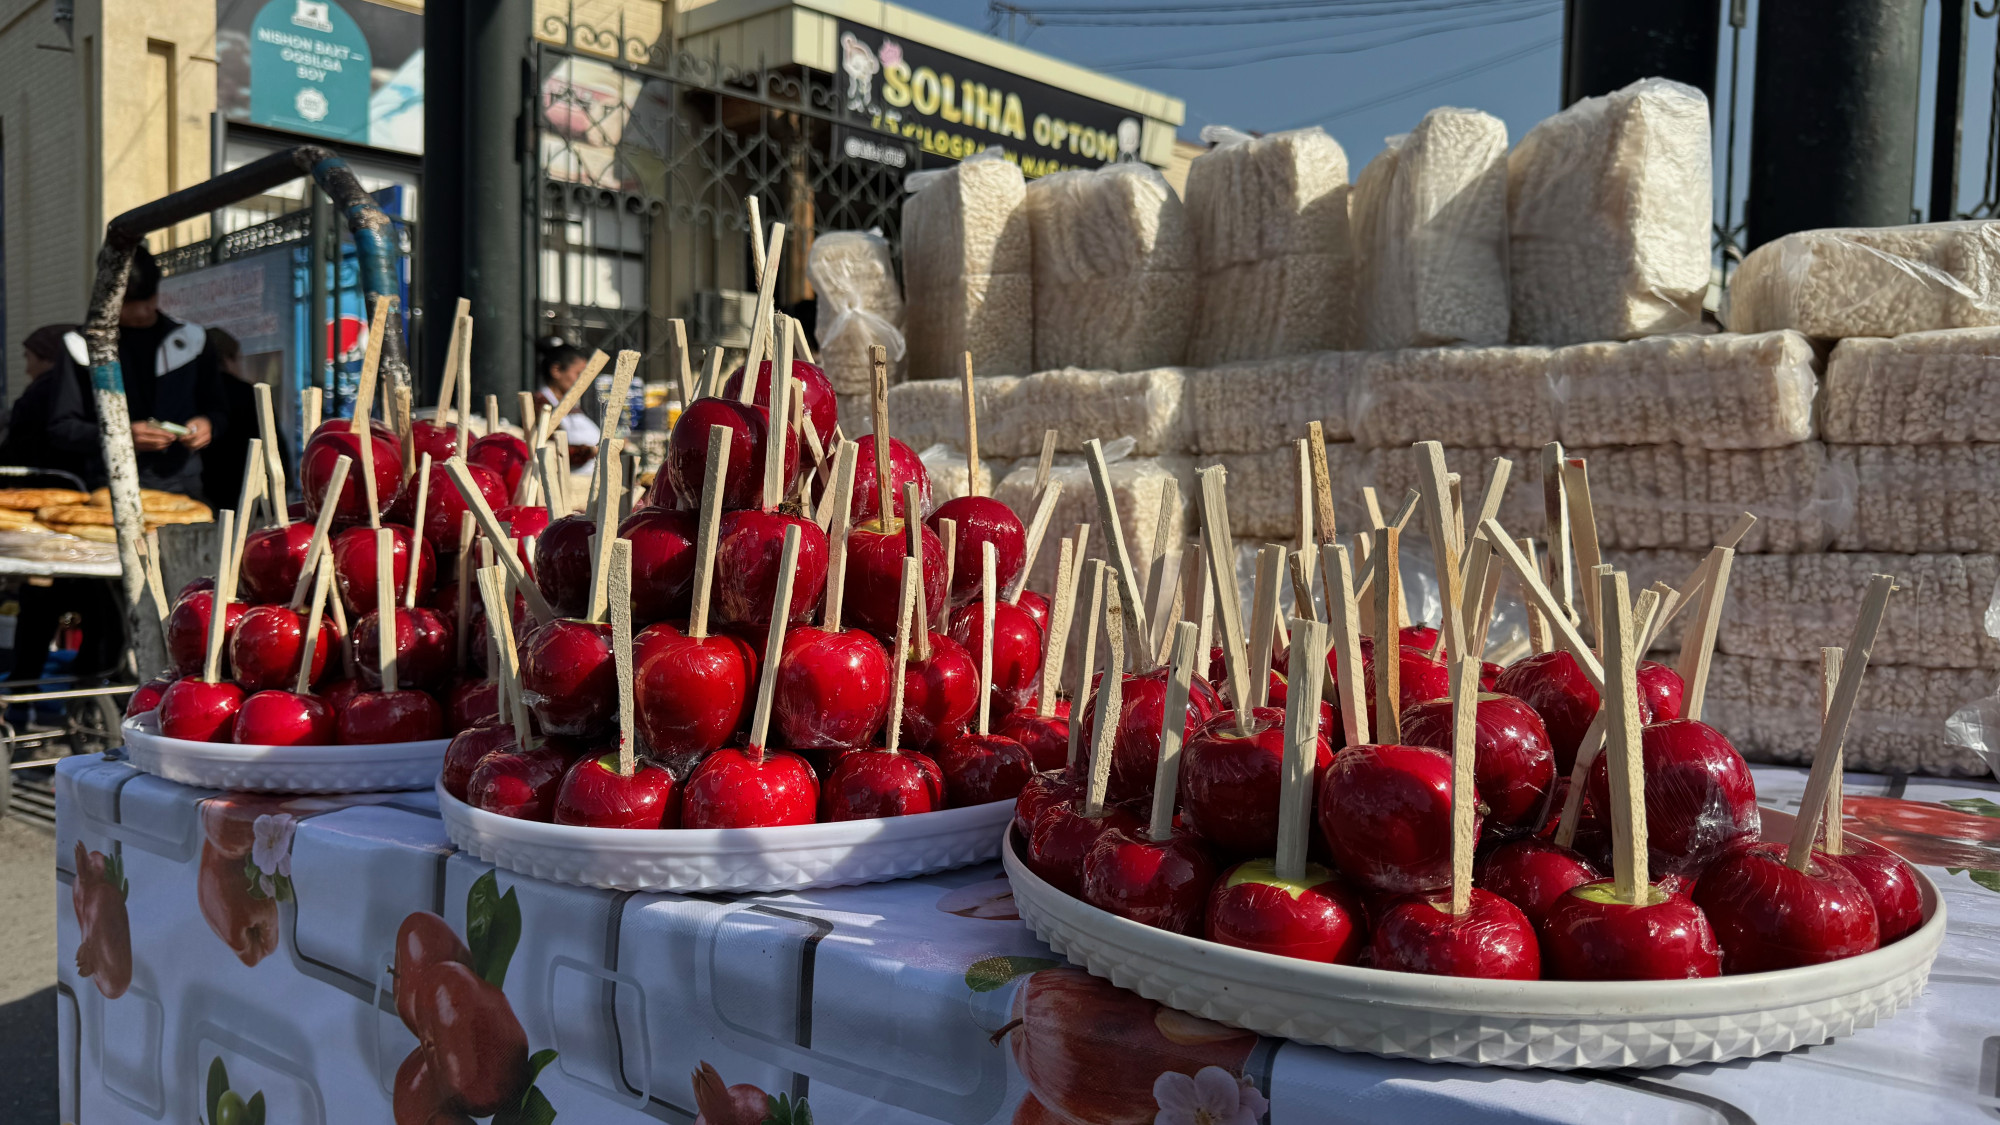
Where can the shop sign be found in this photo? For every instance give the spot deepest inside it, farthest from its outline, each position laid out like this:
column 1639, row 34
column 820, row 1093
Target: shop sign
column 309, row 70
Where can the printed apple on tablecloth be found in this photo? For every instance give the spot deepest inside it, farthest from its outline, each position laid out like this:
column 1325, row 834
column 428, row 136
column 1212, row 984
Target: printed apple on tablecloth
column 227, row 1107
column 104, row 947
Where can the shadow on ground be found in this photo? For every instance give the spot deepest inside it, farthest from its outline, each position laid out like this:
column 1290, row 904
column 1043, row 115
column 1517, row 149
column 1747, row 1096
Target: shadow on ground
column 28, row 1043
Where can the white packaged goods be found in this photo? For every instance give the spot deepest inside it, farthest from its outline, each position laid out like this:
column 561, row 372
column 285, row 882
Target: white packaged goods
column 1770, row 709
column 1430, row 229
column 1883, row 281
column 1719, row 391
column 1919, row 497
column 946, row 466
column 1269, row 220
column 966, row 254
column 1014, row 412
column 1259, row 405
column 1137, row 486
column 1923, row 388
column 1460, row 396
column 1609, row 217
column 860, row 305
column 1114, row 282
column 1788, row 607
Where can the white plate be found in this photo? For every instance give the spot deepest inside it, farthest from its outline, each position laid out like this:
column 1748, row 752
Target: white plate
column 791, row 858
column 1554, row 1024
column 282, row 769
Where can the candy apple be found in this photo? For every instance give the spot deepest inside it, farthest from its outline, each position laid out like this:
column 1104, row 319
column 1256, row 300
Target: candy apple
column 593, row 794
column 444, row 505
column 1891, row 885
column 563, row 564
column 428, row 435
column 743, row 482
column 693, row 695
column 662, row 562
column 523, row 522
column 1142, row 713
column 982, row 519
column 337, row 693
column 1061, row 836
column 652, row 639
column 1513, row 766
column 736, row 787
column 377, row 717
column 146, row 696
column 334, row 439
column 1769, row 916
column 1314, row 919
column 187, row 630
column 865, row 784
column 282, row 718
column 517, row 783
column 199, row 711
column 1043, row 791
column 979, row 768
column 1036, row 607
column 1046, row 739
column 904, row 466
column 1661, row 687
column 468, row 748
column 568, row 679
column 1700, row 799
column 503, row 454
column 1229, row 781
column 940, row 695
column 354, row 565
column 424, row 648
column 265, row 647
column 1420, row 679
column 1532, row 873
column 1385, row 813
column 821, row 407
column 1492, row 939
column 1591, row 935
column 1161, row 884
column 832, row 690
column 875, row 573
column 470, row 703
column 747, row 553
column 272, row 560
column 1017, row 649
column 1554, row 685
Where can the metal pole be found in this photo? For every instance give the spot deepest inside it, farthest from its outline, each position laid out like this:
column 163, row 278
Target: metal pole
column 319, row 228
column 441, row 228
column 1610, row 44
column 1948, row 120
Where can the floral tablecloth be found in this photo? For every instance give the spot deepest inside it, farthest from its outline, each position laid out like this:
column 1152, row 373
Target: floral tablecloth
column 227, row 959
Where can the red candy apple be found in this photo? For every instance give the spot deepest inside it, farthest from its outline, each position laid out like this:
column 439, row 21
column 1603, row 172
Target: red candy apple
column 1420, row 679
column 980, row 520
column 1891, row 885
column 1046, row 739
column 1229, row 781
column 1532, row 873
column 875, row 573
column 198, row 711
column 146, row 696
column 502, row 454
column 832, row 689
column 1043, row 791
column 1163, row 885
column 747, row 553
column 904, row 466
column 1385, row 812
column 469, row 703
column 1017, row 649
column 265, row 647
column 940, row 694
column 693, row 695
column 1554, row 685
column 272, row 560
column 1492, row 939
column 821, row 407
column 980, row 768
column 468, row 748
column 662, row 562
column 568, row 679
column 593, row 794
column 865, row 784
column 1700, row 799
column 1661, row 688
column 743, row 482
column 335, row 438
column 1142, row 713
column 1591, row 935
column 187, row 630
column 376, row 717
column 424, row 648
column 519, row 783
column 1768, row 916
column 282, row 718
column 444, row 505
column 1036, row 607
column 428, row 435
column 354, row 565
column 563, row 564
column 1513, row 766
column 1314, row 919
column 736, row 787
column 1061, row 836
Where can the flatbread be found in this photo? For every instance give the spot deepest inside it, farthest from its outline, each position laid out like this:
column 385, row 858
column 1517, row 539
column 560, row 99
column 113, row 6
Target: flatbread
column 88, row 516
column 151, row 500
column 87, row 531
column 31, row 499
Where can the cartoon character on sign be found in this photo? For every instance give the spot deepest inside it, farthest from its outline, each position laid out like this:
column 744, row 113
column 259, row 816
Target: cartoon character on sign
column 861, row 66
column 1128, row 139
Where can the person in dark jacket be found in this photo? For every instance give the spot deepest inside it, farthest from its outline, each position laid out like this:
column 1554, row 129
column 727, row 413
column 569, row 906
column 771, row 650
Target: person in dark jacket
column 222, row 461
column 54, row 425
column 172, row 376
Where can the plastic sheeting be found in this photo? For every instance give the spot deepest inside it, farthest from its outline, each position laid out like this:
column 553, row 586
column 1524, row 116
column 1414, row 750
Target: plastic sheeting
column 1883, row 281
column 1609, row 216
column 1920, row 388
column 1269, row 218
column 966, row 269
column 860, row 305
column 1079, row 405
column 1430, row 228
column 1114, row 282
column 1920, row 497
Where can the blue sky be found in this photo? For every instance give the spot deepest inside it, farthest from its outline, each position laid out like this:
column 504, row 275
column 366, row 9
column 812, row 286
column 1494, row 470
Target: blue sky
column 1350, row 75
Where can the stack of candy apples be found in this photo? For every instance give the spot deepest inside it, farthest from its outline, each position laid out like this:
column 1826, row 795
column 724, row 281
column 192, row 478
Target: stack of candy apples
column 1447, row 845
column 263, row 671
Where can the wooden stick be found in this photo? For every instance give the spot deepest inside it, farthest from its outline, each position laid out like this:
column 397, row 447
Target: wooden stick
column 218, row 606
column 1691, row 588
column 819, row 464
column 1169, row 594
column 1365, row 575
column 385, row 606
column 507, row 656
column 1631, row 880
column 607, row 524
column 1055, row 642
column 572, row 396
column 706, row 532
column 611, row 412
column 323, row 577
column 1295, row 785
column 553, row 476
column 912, row 592
column 461, row 314
column 524, row 402
column 364, row 401
column 1166, row 772
column 1583, row 529
column 1538, row 626
column 878, row 362
column 989, row 595
column 1110, row 702
column 322, row 527
column 252, row 488
column 1220, row 548
column 838, row 531
column 914, row 528
column 417, row 531
column 971, row 434
column 156, row 584
column 1566, row 635
column 1264, row 620
column 340, row 623
column 1594, row 736
column 1839, row 713
column 1698, row 645
column 799, row 337
column 1835, row 834
column 774, row 642
column 463, row 591
column 1388, row 637
column 1046, row 464
column 1350, row 680
column 1485, row 583
column 621, row 652
column 492, row 414
column 1322, row 480
column 777, row 437
column 1444, row 546
column 463, row 411
column 1079, row 699
column 711, row 376
column 1038, row 527
column 753, row 363
column 1114, row 532
column 461, row 478
column 406, row 439
column 1555, row 505
column 1464, row 721
column 309, row 414
column 274, row 459
column 1163, row 565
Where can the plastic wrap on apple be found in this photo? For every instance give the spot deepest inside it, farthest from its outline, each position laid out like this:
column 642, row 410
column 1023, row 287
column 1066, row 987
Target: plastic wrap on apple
column 1976, row 726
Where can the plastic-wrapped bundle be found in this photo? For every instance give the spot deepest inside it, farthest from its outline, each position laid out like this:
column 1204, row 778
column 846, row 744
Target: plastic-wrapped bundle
column 1770, row 709
column 860, row 305
column 1460, row 396
column 1114, row 275
column 1719, row 391
column 1609, row 213
column 1922, row 388
column 966, row 268
column 1788, row 607
column 1259, row 405
column 1920, row 497
column 1881, row 281
column 945, row 463
column 1430, row 225
column 1269, row 220
column 1014, row 412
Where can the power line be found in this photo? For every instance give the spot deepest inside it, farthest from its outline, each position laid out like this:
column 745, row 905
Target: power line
column 1446, row 79
column 1209, row 60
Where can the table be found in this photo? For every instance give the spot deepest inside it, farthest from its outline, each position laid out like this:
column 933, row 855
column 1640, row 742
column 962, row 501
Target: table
column 262, row 928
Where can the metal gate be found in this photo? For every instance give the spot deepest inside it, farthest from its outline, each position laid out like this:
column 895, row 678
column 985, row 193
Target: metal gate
column 646, row 154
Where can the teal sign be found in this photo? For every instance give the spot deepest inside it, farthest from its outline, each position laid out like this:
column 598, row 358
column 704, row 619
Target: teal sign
column 309, row 70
